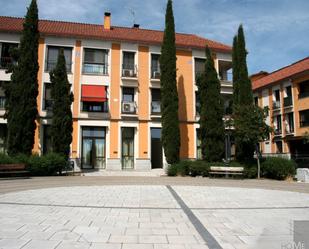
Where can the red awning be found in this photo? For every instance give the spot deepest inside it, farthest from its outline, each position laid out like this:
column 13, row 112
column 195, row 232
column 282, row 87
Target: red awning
column 93, row 93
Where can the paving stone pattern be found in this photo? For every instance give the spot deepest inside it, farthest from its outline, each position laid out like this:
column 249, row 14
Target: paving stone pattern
column 142, row 217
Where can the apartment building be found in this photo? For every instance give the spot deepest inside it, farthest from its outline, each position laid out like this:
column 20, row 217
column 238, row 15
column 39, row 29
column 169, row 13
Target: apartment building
column 115, row 77
column 286, row 93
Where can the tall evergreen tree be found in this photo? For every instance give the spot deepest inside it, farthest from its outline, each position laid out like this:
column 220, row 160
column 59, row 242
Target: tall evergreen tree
column 62, row 122
column 22, row 91
column 244, row 82
column 169, row 95
column 211, row 114
column 244, row 108
column 235, row 73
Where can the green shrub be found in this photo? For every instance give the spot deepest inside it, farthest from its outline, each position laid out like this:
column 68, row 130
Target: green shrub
column 172, row 170
column 49, row 164
column 199, row 168
column 6, row 159
column 278, row 168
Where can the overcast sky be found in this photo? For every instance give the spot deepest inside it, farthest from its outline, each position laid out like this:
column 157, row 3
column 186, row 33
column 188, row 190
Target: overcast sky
column 277, row 31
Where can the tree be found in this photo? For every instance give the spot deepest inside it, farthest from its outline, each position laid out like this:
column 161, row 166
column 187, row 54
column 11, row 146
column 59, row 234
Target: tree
column 22, row 91
column 169, row 95
column 62, row 123
column 235, row 73
column 249, row 120
column 212, row 111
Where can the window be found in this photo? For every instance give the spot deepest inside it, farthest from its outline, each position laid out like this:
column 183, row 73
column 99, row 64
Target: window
column 52, row 57
column 128, row 94
column 155, row 101
column 47, row 101
column 303, row 89
column 289, row 119
column 95, row 107
column 199, row 67
column 6, row 58
column 47, row 139
column 278, row 126
column 128, row 104
column 155, row 66
column 198, row 145
column 3, row 135
column 197, row 104
column 256, row 100
column 304, row 118
column 228, row 104
column 2, row 96
column 288, row 99
column 95, row 61
column 279, row 147
column 276, row 104
column 128, row 66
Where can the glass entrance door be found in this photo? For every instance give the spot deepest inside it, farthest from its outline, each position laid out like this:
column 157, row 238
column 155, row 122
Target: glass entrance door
column 127, row 148
column 93, row 148
column 156, row 149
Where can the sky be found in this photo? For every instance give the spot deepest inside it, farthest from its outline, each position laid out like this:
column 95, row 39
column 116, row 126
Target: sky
column 277, row 31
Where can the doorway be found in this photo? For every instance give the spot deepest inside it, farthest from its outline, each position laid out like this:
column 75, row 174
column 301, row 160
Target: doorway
column 93, row 147
column 156, row 149
column 127, row 157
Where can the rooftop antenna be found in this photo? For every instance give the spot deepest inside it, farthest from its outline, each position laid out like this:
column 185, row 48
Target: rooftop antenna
column 133, row 14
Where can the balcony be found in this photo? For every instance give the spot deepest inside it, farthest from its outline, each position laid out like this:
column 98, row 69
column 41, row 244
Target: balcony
column 276, row 105
column 287, row 101
column 277, row 132
column 156, row 107
column 51, row 64
column 129, row 71
column 5, row 62
column 128, row 107
column 155, row 74
column 95, row 69
column 289, row 130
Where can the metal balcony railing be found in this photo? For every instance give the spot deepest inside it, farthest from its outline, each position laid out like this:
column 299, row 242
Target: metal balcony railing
column 156, row 107
column 95, row 68
column 277, row 132
column 155, row 73
column 51, row 64
column 5, row 62
column 128, row 107
column 129, row 71
column 276, row 105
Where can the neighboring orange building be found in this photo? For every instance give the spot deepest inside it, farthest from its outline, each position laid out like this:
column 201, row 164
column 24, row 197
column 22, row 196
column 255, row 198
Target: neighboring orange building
column 286, row 93
column 115, row 77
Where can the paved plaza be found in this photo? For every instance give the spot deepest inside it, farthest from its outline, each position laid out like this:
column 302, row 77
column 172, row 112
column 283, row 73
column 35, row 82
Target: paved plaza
column 157, row 215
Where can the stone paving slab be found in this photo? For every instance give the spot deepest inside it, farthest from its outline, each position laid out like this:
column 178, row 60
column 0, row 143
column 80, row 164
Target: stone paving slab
column 127, row 216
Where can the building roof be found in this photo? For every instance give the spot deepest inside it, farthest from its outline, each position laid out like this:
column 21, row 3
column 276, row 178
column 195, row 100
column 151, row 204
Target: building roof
column 282, row 73
column 95, row 31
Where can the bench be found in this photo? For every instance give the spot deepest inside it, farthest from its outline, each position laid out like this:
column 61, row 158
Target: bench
column 216, row 170
column 13, row 169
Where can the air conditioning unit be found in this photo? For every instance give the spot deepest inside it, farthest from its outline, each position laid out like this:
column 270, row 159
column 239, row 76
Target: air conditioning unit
column 156, row 75
column 128, row 107
column 128, row 72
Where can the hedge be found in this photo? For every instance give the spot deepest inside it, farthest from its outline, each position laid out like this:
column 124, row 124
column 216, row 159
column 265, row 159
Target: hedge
column 45, row 165
column 278, row 168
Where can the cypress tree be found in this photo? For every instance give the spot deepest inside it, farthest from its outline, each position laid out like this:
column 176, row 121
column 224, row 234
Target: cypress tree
column 211, row 114
column 169, row 95
column 62, row 123
column 244, row 82
column 22, row 91
column 235, row 73
column 243, row 97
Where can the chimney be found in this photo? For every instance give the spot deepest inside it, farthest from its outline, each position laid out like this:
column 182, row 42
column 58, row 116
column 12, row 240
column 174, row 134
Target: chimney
column 107, row 20
column 136, row 26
